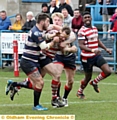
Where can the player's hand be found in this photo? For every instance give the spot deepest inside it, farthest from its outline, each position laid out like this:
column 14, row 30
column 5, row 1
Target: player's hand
column 56, row 39
column 97, row 52
column 63, row 44
column 74, row 48
column 112, row 37
column 58, row 33
column 109, row 51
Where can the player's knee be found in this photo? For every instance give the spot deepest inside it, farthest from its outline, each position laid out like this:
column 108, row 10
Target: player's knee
column 39, row 83
column 57, row 76
column 70, row 82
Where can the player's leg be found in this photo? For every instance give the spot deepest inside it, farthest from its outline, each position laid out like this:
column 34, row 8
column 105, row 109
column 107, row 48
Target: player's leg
column 37, row 84
column 14, row 87
column 87, row 66
column 33, row 72
column 102, row 64
column 69, row 84
column 53, row 70
column 83, row 85
column 70, row 68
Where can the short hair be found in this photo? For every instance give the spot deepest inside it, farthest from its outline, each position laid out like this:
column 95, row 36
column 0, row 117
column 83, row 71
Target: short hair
column 58, row 14
column 29, row 13
column 3, row 11
column 64, row 8
column 86, row 13
column 41, row 16
column 66, row 29
column 76, row 9
column 44, row 5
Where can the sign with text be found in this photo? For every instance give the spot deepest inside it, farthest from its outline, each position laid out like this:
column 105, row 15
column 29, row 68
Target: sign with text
column 7, row 42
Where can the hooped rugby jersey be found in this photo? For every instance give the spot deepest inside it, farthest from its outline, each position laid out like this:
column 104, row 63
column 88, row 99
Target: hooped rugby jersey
column 31, row 49
column 90, row 35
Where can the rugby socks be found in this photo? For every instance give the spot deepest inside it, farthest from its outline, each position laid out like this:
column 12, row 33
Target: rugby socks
column 37, row 94
column 54, row 86
column 100, row 77
column 66, row 92
column 26, row 84
column 58, row 91
column 82, row 87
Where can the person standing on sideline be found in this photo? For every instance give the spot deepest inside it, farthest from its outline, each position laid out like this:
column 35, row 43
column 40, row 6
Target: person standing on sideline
column 67, row 18
column 106, row 15
column 63, row 4
column 77, row 23
column 90, row 55
column 4, row 21
column 89, row 2
column 19, row 22
column 30, row 21
column 52, row 8
column 81, row 6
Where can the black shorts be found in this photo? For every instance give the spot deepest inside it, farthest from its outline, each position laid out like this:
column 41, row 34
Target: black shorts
column 29, row 66
column 45, row 61
column 68, row 61
column 97, row 61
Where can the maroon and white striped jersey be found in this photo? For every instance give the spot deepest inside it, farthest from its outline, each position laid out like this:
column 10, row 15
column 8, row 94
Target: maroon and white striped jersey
column 90, row 35
column 53, row 50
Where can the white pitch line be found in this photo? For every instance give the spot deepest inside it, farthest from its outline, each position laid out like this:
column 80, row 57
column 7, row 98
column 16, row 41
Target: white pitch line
column 76, row 102
column 7, row 78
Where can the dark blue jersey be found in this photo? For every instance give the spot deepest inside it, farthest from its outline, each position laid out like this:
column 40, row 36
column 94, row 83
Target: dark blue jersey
column 31, row 48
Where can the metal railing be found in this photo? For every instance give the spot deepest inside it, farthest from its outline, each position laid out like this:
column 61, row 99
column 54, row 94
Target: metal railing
column 93, row 7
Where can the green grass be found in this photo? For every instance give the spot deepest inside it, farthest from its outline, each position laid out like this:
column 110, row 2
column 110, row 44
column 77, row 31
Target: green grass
column 96, row 106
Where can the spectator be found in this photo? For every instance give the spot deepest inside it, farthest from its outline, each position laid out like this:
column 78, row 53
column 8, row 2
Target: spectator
column 82, row 6
column 90, row 2
column 30, row 21
column 4, row 25
column 18, row 23
column 63, row 4
column 4, row 21
column 113, row 2
column 44, row 8
column 106, row 15
column 67, row 18
column 113, row 27
column 77, row 23
column 52, row 8
column 114, row 15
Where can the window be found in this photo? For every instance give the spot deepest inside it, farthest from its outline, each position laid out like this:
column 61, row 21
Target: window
column 36, row 1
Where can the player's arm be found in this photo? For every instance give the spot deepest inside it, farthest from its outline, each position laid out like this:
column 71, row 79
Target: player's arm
column 71, row 38
column 50, row 36
column 82, row 45
column 104, row 47
column 54, row 27
column 43, row 45
column 72, row 49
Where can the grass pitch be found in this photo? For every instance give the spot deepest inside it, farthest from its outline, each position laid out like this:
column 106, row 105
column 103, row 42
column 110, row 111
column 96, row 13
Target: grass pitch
column 96, row 106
